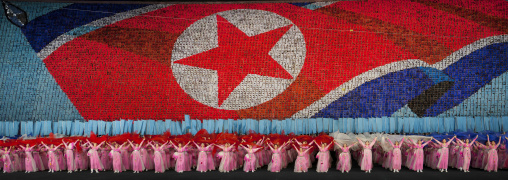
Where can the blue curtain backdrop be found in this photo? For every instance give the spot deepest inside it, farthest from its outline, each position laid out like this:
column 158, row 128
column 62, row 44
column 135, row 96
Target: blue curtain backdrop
column 243, row 126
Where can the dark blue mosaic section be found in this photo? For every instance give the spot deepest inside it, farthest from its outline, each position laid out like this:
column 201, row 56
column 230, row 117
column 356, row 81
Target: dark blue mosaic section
column 471, row 73
column 42, row 30
column 379, row 97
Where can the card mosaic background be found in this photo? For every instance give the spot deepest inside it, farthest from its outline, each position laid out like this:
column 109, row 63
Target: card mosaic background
column 361, row 65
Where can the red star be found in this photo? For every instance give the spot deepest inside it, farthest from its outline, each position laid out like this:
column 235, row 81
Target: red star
column 239, row 55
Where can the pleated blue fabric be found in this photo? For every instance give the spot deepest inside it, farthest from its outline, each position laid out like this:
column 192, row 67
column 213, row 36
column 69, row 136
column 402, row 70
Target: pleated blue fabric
column 242, row 126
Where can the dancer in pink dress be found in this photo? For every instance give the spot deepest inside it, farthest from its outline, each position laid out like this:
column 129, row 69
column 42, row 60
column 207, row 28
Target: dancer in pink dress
column 30, row 165
column 395, row 163
column 203, row 160
column 301, row 164
column 366, row 160
column 250, row 157
column 344, row 161
column 6, row 159
column 305, row 146
column 276, row 163
column 492, row 157
column 323, row 157
column 137, row 161
column 95, row 161
column 117, row 157
column 417, row 163
column 227, row 162
column 442, row 163
column 69, row 156
column 158, row 157
column 81, row 159
column 181, row 157
column 210, row 158
column 466, row 154
column 52, row 157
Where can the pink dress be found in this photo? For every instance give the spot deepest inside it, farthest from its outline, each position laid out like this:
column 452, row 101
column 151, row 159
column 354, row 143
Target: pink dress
column 81, row 160
column 417, row 156
column 6, row 158
column 126, row 158
column 323, row 159
column 95, row 161
column 203, row 160
column 69, row 156
column 137, row 161
column 276, row 163
column 182, row 162
column 250, row 160
column 466, row 154
column 443, row 152
column 344, row 162
column 301, row 163
column 30, row 164
column 492, row 158
column 53, row 159
column 227, row 159
column 117, row 159
column 38, row 160
column 366, row 159
column 396, row 156
column 210, row 158
column 158, row 159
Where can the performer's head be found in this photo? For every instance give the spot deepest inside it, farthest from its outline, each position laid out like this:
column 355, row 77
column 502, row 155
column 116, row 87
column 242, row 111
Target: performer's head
column 467, row 140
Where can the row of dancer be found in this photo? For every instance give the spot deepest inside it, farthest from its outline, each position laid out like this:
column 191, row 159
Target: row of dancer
column 227, row 152
column 396, row 151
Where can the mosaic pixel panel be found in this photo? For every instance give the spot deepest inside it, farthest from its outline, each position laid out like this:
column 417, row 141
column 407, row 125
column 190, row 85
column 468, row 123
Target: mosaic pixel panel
column 347, row 59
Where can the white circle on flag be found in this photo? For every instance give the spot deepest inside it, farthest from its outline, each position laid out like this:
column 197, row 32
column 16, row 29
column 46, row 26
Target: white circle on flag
column 202, row 84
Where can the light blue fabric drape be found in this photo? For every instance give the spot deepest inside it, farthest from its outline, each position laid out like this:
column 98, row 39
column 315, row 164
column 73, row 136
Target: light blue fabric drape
column 386, row 124
column 78, row 128
column 186, row 124
column 46, row 128
column 400, row 125
column 116, row 127
column 479, row 124
column 461, row 123
column 167, row 126
column 219, row 125
column 293, row 126
column 495, row 124
column 241, row 126
column 273, row 126
column 194, row 128
column 101, row 127
column 299, row 126
column 505, row 123
column 335, row 125
column 330, row 124
column 449, row 124
column 128, row 126
column 109, row 128
column 379, row 124
column 486, row 123
column 471, row 123
column 137, row 127
column 393, row 125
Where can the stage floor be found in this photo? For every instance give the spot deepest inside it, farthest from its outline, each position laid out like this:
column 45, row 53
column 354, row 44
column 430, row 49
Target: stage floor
column 378, row 173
